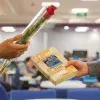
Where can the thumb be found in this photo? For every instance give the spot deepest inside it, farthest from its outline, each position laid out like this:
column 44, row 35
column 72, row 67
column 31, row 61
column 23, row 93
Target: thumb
column 73, row 62
column 18, row 37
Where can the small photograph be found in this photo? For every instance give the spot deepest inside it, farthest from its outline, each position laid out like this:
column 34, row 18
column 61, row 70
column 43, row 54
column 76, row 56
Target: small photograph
column 52, row 61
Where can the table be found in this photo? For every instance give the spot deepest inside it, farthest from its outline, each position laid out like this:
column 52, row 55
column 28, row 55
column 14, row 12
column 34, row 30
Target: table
column 25, row 78
column 30, row 80
column 66, row 84
column 11, row 72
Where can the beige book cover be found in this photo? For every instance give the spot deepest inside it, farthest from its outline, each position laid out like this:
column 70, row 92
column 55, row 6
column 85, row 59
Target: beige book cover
column 52, row 65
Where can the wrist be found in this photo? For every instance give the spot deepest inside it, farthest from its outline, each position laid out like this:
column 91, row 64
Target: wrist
column 94, row 68
column 86, row 68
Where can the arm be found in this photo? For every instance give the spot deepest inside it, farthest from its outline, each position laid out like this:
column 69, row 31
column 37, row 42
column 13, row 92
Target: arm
column 94, row 68
column 84, row 68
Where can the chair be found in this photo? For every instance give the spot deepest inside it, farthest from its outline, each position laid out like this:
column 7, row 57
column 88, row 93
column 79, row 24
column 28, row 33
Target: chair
column 88, row 79
column 3, row 94
column 26, row 95
column 61, row 93
column 83, row 94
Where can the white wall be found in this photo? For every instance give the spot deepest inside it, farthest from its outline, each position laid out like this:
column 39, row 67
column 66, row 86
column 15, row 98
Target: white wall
column 62, row 40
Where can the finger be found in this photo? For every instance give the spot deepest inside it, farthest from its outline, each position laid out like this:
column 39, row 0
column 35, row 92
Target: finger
column 18, row 37
column 73, row 62
column 27, row 44
column 22, row 51
column 19, row 46
column 79, row 75
column 18, row 55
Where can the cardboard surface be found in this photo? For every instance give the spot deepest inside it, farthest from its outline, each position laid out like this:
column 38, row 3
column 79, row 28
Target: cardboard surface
column 52, row 64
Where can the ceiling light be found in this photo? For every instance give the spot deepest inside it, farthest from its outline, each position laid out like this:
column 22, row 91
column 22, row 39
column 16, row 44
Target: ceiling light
column 8, row 29
column 89, row 0
column 79, row 10
column 66, row 27
column 57, row 4
column 81, row 29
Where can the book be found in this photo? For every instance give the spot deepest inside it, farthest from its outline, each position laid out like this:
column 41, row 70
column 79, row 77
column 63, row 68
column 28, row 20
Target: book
column 52, row 65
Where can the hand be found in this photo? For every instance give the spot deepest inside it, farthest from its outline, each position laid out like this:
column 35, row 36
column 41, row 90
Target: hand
column 9, row 50
column 82, row 67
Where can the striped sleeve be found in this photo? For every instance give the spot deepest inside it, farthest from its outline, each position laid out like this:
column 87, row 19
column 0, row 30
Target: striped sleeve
column 94, row 68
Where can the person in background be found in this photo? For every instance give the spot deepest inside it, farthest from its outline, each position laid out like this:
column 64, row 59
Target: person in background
column 15, row 77
column 31, row 71
column 74, row 57
column 30, row 68
column 7, row 87
column 67, row 55
column 97, row 56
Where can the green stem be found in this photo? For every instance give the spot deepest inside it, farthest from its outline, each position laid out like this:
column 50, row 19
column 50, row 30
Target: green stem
column 32, row 30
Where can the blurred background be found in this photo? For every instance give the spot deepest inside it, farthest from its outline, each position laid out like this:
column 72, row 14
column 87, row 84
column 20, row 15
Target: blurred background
column 77, row 23
column 74, row 31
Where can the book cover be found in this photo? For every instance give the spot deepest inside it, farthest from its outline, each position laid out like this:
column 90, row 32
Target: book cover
column 52, row 65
